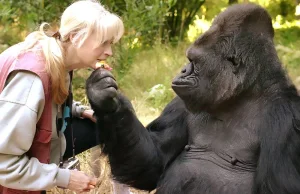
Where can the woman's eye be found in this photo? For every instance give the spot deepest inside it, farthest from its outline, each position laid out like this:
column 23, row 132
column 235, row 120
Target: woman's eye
column 108, row 42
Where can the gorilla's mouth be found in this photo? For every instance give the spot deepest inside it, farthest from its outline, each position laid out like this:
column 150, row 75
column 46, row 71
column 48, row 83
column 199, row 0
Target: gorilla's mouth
column 182, row 80
column 181, row 83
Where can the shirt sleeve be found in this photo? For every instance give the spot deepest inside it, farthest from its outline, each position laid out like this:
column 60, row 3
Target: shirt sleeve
column 78, row 109
column 21, row 103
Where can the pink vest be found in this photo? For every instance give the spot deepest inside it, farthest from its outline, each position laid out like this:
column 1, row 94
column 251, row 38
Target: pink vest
column 11, row 60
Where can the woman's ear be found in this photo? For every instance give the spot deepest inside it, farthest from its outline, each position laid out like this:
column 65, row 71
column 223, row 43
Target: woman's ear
column 72, row 39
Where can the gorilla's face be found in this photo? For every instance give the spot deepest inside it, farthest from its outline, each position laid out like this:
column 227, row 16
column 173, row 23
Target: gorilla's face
column 225, row 61
column 209, row 77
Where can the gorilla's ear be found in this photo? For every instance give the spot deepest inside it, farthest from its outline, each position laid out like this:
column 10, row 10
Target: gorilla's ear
column 235, row 63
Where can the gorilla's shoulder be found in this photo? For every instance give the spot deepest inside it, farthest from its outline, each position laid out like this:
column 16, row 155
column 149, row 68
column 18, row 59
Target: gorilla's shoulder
column 176, row 104
column 285, row 106
column 175, row 113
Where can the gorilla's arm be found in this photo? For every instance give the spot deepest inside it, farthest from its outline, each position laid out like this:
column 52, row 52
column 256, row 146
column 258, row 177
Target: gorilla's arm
column 278, row 168
column 139, row 155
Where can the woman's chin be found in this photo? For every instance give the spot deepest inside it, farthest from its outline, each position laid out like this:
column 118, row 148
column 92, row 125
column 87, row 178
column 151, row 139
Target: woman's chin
column 94, row 66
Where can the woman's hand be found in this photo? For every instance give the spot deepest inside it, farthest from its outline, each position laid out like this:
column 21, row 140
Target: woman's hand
column 80, row 182
column 88, row 114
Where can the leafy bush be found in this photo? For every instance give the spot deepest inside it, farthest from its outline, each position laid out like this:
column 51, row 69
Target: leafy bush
column 287, row 45
column 18, row 18
column 288, row 36
column 142, row 20
column 159, row 95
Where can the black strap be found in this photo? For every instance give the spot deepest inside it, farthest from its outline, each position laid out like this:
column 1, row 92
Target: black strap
column 70, row 99
column 60, row 122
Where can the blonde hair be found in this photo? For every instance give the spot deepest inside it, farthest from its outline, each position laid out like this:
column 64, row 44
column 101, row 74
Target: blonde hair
column 80, row 19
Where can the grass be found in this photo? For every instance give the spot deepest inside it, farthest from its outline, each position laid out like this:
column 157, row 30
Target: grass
column 151, row 67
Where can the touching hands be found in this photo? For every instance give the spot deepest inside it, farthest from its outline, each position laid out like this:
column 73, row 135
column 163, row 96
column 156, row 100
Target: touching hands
column 102, row 91
column 80, row 182
column 89, row 114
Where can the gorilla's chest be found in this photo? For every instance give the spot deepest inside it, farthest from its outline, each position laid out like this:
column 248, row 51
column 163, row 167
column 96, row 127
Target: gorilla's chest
column 232, row 144
column 220, row 158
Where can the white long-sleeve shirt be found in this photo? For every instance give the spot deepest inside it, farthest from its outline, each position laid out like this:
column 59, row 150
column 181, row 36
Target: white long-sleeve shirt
column 21, row 104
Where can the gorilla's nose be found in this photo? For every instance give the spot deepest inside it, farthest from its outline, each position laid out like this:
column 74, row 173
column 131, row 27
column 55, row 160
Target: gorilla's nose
column 187, row 70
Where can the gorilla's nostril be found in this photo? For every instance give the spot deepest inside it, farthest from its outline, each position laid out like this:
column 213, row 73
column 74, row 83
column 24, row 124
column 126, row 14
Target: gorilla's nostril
column 187, row 70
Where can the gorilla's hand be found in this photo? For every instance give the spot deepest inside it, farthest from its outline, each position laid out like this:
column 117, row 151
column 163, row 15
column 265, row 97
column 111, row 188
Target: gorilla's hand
column 101, row 89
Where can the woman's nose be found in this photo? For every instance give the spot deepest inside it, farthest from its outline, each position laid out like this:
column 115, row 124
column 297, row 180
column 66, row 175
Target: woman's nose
column 108, row 51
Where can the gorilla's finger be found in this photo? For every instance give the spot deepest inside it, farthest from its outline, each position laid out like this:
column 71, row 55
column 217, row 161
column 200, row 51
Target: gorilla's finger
column 107, row 94
column 99, row 96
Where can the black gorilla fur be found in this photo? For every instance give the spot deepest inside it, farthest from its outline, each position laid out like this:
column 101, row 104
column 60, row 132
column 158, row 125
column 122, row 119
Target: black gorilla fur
column 233, row 128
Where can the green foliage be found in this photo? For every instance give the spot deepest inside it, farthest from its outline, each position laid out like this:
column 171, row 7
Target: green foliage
column 290, row 58
column 157, row 66
column 199, row 26
column 142, row 20
column 285, row 8
column 211, row 8
column 78, row 85
column 287, row 36
column 287, row 46
column 18, row 18
column 158, row 95
column 179, row 17
column 149, row 22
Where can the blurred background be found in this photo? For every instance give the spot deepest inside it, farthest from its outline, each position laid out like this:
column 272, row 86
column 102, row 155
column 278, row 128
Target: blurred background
column 152, row 50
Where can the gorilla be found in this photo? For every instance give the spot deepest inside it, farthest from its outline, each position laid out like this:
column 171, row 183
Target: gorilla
column 233, row 128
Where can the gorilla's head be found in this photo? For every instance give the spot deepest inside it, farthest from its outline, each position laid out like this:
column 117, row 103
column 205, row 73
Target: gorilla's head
column 235, row 57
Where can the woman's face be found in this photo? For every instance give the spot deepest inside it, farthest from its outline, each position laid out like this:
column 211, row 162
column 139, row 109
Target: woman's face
column 89, row 53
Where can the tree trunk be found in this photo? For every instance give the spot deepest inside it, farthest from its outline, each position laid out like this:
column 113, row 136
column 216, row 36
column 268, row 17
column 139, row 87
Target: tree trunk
column 182, row 13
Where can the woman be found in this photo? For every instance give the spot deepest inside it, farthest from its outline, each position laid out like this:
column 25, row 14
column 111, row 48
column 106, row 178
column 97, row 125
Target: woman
column 34, row 84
